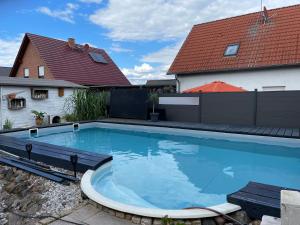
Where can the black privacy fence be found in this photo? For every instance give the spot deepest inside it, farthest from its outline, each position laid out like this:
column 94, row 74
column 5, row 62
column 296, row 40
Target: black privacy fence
column 275, row 109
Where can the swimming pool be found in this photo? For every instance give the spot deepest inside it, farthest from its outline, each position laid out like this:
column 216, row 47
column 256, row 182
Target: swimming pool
column 163, row 168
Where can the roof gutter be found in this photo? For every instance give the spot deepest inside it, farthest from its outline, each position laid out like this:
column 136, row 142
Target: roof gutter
column 236, row 70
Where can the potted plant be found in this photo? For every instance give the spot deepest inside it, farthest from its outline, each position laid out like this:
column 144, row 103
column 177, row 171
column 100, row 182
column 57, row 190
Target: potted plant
column 153, row 97
column 39, row 117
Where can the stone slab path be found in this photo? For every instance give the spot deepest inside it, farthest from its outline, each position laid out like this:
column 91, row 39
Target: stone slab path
column 89, row 215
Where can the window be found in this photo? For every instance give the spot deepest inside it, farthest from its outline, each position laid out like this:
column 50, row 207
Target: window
column 41, row 71
column 26, row 72
column 61, row 92
column 97, row 57
column 16, row 103
column 231, row 50
column 38, row 94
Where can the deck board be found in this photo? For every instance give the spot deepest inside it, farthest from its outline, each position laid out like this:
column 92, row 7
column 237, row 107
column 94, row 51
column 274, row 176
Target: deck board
column 258, row 199
column 226, row 128
column 52, row 154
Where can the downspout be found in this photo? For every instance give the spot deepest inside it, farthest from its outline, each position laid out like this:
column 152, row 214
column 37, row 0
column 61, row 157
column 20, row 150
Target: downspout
column 177, row 84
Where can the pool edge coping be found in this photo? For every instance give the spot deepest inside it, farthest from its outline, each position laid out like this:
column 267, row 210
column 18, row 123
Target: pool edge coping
column 91, row 193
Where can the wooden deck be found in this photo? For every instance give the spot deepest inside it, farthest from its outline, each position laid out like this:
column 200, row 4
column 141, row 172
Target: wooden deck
column 249, row 130
column 52, row 154
column 258, row 199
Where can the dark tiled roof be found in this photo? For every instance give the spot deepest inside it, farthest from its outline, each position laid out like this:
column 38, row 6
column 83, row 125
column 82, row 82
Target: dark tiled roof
column 13, row 81
column 5, row 71
column 161, row 83
column 74, row 65
column 262, row 45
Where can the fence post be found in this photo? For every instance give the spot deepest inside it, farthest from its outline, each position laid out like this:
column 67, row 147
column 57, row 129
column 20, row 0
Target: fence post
column 255, row 108
column 200, row 107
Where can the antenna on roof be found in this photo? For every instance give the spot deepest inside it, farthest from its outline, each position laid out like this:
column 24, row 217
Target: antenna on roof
column 265, row 15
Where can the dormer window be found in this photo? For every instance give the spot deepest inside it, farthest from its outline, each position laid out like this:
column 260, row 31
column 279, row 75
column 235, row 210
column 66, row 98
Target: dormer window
column 232, row 50
column 26, row 72
column 41, row 71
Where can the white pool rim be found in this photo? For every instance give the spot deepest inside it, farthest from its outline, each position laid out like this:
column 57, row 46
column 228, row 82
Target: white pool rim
column 91, row 193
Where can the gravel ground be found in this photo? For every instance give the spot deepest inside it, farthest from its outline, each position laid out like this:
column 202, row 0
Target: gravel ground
column 26, row 198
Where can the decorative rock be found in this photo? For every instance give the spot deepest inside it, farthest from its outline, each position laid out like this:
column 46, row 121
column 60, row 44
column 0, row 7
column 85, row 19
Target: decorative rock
column 10, row 187
column 136, row 219
column 157, row 222
column 120, row 215
column 146, row 221
column 220, row 220
column 196, row 222
column 241, row 216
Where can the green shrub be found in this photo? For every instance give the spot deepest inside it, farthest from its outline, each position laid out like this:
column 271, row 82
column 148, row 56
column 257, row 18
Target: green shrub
column 7, row 124
column 70, row 117
column 86, row 105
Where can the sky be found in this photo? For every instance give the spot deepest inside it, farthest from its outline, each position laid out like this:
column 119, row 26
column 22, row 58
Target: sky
column 141, row 36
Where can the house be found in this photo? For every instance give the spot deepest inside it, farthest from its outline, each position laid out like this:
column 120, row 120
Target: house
column 47, row 58
column 5, row 71
column 164, row 85
column 19, row 96
column 255, row 51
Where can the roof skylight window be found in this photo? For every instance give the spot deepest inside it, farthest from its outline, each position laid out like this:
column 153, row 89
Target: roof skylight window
column 232, row 50
column 97, row 57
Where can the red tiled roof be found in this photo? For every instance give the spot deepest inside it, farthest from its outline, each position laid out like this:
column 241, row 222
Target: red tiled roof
column 73, row 65
column 276, row 43
column 216, row 86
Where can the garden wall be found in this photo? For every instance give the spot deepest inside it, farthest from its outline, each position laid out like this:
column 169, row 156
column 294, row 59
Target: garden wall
column 273, row 109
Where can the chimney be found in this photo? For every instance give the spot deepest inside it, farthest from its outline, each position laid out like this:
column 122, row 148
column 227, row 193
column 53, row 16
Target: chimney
column 265, row 15
column 71, row 42
column 86, row 47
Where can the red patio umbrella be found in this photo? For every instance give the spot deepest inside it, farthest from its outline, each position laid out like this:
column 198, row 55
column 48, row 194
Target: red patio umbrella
column 216, row 86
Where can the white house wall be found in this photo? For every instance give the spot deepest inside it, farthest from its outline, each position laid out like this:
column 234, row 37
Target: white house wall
column 53, row 105
column 249, row 80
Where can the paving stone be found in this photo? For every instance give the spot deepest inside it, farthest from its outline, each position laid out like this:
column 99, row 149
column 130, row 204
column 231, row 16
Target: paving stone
column 120, row 215
column 196, row 222
column 146, row 221
column 47, row 220
column 82, row 214
column 128, row 217
column 103, row 218
column 136, row 219
column 157, row 222
column 60, row 222
column 111, row 212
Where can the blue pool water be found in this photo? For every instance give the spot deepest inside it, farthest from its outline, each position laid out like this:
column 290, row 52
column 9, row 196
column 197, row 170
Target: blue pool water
column 174, row 172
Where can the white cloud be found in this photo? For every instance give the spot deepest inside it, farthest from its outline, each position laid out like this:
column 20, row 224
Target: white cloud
column 169, row 19
column 9, row 49
column 140, row 74
column 116, row 47
column 91, row 1
column 66, row 14
column 163, row 56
